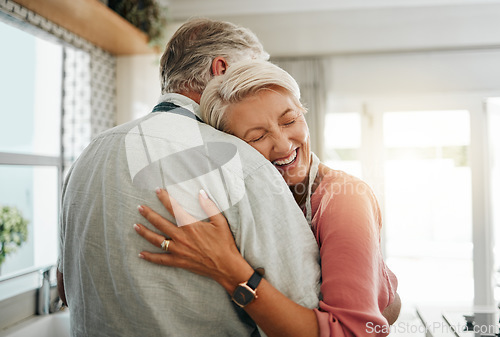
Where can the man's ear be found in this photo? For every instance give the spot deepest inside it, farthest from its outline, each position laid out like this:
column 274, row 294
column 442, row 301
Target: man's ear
column 219, row 66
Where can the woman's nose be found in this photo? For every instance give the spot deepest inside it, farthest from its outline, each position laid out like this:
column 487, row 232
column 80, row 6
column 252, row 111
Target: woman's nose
column 282, row 144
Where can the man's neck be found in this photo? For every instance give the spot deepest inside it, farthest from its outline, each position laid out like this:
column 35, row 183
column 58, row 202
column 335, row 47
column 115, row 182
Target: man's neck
column 193, row 95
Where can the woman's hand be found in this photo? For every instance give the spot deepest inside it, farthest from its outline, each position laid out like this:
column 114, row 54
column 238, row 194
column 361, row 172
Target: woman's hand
column 205, row 248
column 208, row 248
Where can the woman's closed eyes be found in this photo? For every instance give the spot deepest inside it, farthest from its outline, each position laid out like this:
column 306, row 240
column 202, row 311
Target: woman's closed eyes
column 257, row 139
column 288, row 122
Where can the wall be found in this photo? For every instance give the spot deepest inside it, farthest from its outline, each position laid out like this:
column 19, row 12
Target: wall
column 415, row 73
column 383, row 51
column 138, row 82
column 352, row 77
column 138, row 86
column 375, row 30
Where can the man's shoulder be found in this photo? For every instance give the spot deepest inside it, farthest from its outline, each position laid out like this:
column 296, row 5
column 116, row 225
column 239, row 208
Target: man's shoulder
column 180, row 129
column 162, row 134
column 249, row 156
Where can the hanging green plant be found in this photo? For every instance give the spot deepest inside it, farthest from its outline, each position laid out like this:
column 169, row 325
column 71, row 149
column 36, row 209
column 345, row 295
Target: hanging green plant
column 13, row 231
column 147, row 15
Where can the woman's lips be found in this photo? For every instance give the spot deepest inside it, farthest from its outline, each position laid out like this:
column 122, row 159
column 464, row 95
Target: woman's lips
column 285, row 163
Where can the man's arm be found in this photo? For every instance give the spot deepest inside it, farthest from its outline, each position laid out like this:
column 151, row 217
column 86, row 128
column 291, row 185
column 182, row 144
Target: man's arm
column 272, row 233
column 60, row 287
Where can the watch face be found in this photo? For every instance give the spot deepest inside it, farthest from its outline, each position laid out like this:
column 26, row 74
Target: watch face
column 243, row 296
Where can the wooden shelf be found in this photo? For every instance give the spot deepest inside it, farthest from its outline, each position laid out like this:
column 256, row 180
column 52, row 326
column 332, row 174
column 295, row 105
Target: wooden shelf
column 95, row 22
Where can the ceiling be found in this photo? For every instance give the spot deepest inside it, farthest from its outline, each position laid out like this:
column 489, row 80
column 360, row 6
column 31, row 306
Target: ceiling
column 183, row 9
column 319, row 27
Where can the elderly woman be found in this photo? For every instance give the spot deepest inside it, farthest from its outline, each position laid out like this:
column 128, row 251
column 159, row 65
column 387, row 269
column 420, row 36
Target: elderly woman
column 259, row 103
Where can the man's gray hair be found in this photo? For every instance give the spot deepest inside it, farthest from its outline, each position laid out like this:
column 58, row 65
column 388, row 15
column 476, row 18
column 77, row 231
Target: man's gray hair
column 186, row 64
column 242, row 80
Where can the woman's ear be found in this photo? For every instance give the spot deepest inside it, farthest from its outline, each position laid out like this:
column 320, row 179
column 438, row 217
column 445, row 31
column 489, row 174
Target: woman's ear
column 219, row 66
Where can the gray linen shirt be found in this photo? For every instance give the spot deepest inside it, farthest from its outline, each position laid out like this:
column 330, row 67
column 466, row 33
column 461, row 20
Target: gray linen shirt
column 111, row 292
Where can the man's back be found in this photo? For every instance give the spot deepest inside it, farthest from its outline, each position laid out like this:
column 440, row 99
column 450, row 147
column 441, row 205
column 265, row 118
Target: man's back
column 110, row 291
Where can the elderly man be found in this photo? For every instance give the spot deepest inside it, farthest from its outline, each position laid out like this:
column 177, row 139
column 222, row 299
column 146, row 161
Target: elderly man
column 109, row 290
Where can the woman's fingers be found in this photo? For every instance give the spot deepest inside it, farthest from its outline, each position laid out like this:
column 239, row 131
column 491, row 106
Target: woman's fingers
column 201, row 247
column 211, row 209
column 165, row 199
column 164, row 259
column 181, row 216
column 175, row 261
column 154, row 238
column 158, row 221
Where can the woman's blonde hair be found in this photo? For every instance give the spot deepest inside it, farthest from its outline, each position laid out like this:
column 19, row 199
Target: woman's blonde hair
column 242, row 80
column 186, row 64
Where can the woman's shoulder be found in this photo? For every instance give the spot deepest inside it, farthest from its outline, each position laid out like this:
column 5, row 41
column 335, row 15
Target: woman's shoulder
column 339, row 182
column 346, row 201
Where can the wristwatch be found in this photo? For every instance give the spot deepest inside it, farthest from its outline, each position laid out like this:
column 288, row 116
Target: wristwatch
column 246, row 292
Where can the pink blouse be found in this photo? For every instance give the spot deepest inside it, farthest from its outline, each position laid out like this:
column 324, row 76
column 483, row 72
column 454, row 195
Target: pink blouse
column 356, row 284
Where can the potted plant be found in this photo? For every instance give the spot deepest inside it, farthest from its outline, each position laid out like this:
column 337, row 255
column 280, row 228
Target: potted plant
column 13, row 231
column 147, row 15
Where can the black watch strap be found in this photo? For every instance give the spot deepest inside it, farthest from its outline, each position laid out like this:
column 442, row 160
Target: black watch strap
column 254, row 280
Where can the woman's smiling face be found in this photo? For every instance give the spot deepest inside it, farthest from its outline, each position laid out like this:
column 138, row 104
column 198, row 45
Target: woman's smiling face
column 271, row 122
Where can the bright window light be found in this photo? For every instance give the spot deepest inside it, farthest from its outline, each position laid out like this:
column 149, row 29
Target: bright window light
column 30, row 82
column 428, row 205
column 343, row 141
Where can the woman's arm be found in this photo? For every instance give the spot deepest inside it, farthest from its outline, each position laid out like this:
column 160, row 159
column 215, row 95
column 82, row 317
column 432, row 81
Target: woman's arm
column 356, row 284
column 208, row 248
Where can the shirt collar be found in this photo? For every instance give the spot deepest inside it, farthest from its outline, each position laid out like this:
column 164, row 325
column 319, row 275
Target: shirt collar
column 182, row 101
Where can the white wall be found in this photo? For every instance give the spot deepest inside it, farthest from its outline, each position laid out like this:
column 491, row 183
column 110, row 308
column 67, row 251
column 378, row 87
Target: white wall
column 382, row 51
column 416, row 73
column 138, row 82
column 352, row 77
column 375, row 30
column 138, row 86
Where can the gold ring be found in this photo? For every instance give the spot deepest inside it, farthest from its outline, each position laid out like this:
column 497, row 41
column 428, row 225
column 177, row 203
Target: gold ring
column 165, row 244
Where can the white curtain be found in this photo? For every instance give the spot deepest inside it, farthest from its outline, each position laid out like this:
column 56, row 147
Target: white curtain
column 313, row 76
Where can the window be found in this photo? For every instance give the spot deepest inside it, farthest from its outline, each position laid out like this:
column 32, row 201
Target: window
column 423, row 157
column 428, row 204
column 30, row 145
column 493, row 110
column 343, row 141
